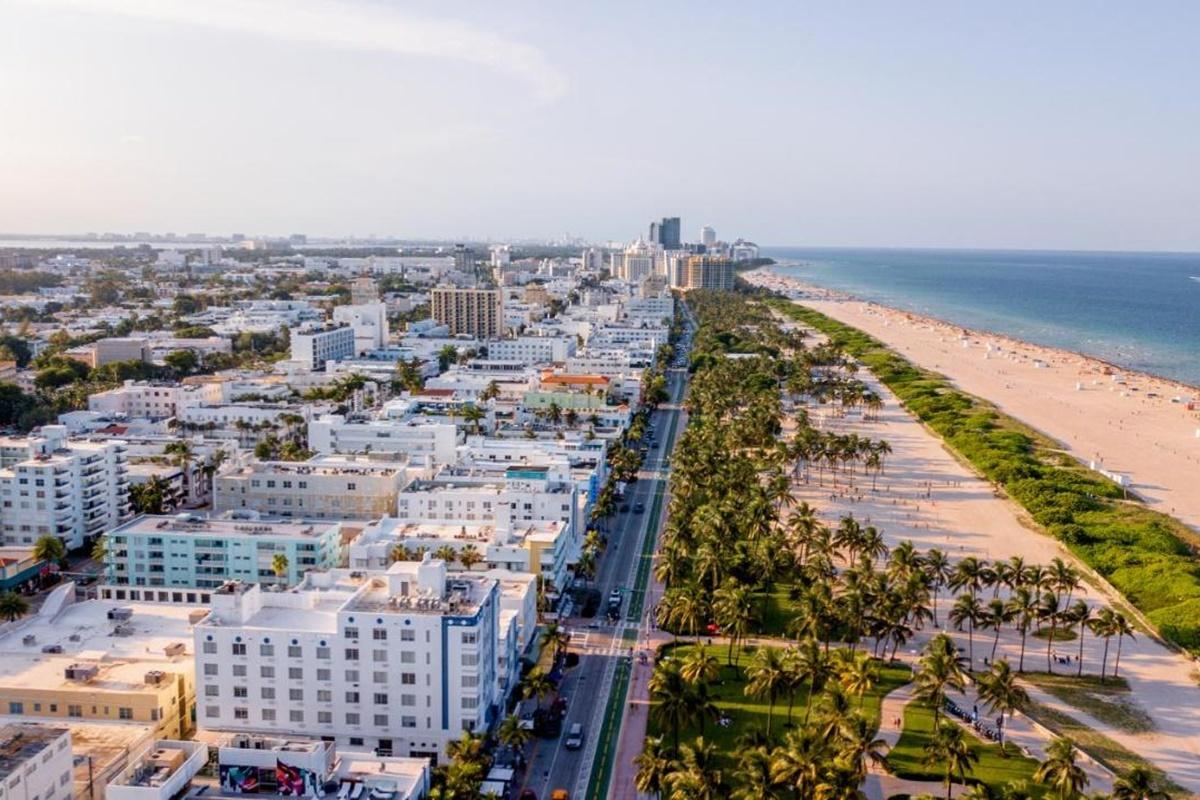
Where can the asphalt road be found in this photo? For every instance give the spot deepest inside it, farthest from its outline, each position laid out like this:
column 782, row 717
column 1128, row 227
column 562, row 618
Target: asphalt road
column 599, row 643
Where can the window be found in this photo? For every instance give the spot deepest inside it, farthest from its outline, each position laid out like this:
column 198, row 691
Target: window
column 295, row 716
column 266, row 650
column 294, row 651
column 351, row 718
column 295, row 694
column 239, row 648
column 408, row 636
column 351, row 676
column 379, row 656
column 408, row 722
column 381, row 720
column 351, row 633
column 408, row 678
column 124, row 712
column 470, row 681
column 74, row 711
column 325, row 717
column 470, row 702
column 295, row 673
column 324, row 696
column 408, row 699
column 408, row 657
column 239, row 670
column 470, row 659
column 351, row 697
column 239, row 691
column 352, row 654
column 380, row 699
column 209, row 648
column 266, row 672
column 268, row 715
column 379, row 634
column 470, row 638
column 323, row 675
column 210, row 669
column 212, row 690
column 379, row 677
column 212, row 712
column 267, row 693
column 323, row 652
column 241, row 712
column 16, row 708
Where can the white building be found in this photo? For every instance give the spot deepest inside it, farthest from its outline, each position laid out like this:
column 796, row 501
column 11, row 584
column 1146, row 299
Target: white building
column 164, row 772
column 72, row 489
column 332, row 433
column 401, row 661
column 35, row 763
column 314, row 348
column 708, row 236
column 533, row 349
column 369, row 321
column 145, row 399
column 326, row 487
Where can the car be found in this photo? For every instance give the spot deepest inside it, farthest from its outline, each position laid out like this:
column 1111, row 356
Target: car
column 638, row 508
column 624, row 507
column 529, row 794
column 574, row 739
column 560, row 794
column 526, row 722
column 614, row 596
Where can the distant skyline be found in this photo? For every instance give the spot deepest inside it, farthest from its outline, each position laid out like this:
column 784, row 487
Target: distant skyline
column 940, row 124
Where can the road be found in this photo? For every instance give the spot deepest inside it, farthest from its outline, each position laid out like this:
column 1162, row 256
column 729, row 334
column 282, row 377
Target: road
column 605, row 650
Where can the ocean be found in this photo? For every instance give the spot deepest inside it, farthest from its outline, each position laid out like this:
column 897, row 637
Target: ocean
column 1136, row 310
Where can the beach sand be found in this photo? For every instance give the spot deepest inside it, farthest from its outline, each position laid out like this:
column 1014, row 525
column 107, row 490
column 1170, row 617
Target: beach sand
column 1122, row 421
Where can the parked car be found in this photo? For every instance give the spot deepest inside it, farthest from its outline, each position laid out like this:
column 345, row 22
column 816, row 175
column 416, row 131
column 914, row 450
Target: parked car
column 574, row 739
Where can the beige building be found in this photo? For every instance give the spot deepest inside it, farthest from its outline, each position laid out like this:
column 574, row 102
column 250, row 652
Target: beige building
column 111, row 350
column 474, row 312
column 102, row 662
column 328, row 487
column 708, row 272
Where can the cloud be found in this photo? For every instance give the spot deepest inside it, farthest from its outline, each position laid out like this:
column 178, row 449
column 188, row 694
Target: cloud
column 349, row 26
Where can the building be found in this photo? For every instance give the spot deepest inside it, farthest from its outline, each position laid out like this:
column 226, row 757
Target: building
column 164, row 772
column 193, row 551
column 708, row 236
column 332, row 433
column 111, row 350
column 592, row 260
column 471, row 312
column 314, row 347
column 363, row 290
column 369, row 322
column 669, row 233
column 35, row 763
column 151, row 400
column 327, row 487
column 533, row 349
column 102, row 661
column 400, row 662
column 72, row 489
column 708, row 272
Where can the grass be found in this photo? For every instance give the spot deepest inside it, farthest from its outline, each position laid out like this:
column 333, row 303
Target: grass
column 610, row 733
column 778, row 610
column 1110, row 702
column 748, row 713
column 906, row 759
column 1060, row 635
column 1108, row 752
column 1149, row 557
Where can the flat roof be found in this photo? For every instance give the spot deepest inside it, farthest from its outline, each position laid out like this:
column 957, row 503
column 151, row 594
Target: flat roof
column 197, row 525
column 19, row 743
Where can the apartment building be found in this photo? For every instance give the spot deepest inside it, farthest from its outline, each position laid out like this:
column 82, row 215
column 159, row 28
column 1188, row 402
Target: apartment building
column 194, row 551
column 313, row 348
column 163, row 772
column 51, row 485
column 35, row 762
column 333, row 433
column 144, row 399
column 401, row 661
column 474, row 312
column 111, row 350
column 326, row 487
column 369, row 321
column 104, row 662
column 533, row 349
column 708, row 272
column 613, row 336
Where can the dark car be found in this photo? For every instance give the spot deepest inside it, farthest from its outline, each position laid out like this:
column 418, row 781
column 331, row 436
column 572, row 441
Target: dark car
column 529, row 794
column 624, row 507
column 638, row 508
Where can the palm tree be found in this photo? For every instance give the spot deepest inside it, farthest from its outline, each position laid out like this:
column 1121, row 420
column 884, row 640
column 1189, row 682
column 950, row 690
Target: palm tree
column 400, row 553
column 1122, row 628
column 1060, row 772
column 100, row 549
column 766, row 679
column 536, row 683
column 733, row 605
column 1080, row 615
column 473, row 414
column 798, row 764
column 49, row 549
column 995, row 616
column 938, row 670
column 446, row 553
column 1050, row 609
column 182, row 455
column 279, row 565
column 937, row 567
column 999, row 691
column 858, row 675
column 469, row 556
column 967, row 611
column 556, row 638
column 1104, row 625
column 672, row 698
column 948, row 748
column 697, row 776
column 860, row 747
column 811, row 665
column 653, row 767
column 511, row 733
column 1023, row 606
column 13, row 606
column 754, row 775
column 1138, row 783
column 700, row 666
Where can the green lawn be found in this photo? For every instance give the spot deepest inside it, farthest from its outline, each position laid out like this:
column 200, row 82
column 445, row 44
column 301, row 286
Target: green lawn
column 777, row 610
column 747, row 713
column 1110, row 702
column 906, row 759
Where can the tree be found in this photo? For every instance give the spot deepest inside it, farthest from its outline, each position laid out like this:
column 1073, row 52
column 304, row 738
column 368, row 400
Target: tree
column 672, row 698
column 279, row 565
column 511, row 733
column 1104, row 625
column 1023, row 606
column 556, row 638
column 1080, row 615
column 536, row 683
column 181, row 454
column 700, row 666
column 472, row 414
column 766, row 679
column 999, row 691
column 1060, row 772
column 858, row 674
column 1138, row 783
column 948, row 748
column 697, row 776
column 938, row 670
column 967, row 611
column 1122, row 628
column 49, row 549
column 995, row 616
column 13, row 606
column 753, row 773
column 653, row 765
column 183, row 362
column 469, row 556
column 446, row 553
column 100, row 549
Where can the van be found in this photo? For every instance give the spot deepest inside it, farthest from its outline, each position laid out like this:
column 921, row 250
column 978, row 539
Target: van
column 574, row 737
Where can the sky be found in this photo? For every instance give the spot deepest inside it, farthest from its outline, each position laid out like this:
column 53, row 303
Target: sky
column 1072, row 125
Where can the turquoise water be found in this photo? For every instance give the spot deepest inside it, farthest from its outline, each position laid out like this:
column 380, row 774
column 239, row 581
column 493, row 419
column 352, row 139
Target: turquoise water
column 1137, row 310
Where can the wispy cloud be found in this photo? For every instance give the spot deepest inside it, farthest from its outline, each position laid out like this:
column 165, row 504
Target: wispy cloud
column 350, row 26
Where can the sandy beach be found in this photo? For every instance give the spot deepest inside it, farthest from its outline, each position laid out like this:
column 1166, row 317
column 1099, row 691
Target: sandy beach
column 1133, row 425
column 927, row 496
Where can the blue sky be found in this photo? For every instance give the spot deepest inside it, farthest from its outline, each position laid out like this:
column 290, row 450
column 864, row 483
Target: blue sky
column 1067, row 124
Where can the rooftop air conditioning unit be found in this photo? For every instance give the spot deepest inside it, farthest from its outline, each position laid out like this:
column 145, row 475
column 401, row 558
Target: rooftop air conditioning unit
column 120, row 614
column 81, row 672
column 175, row 649
column 29, row 640
column 52, row 648
column 155, row 677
